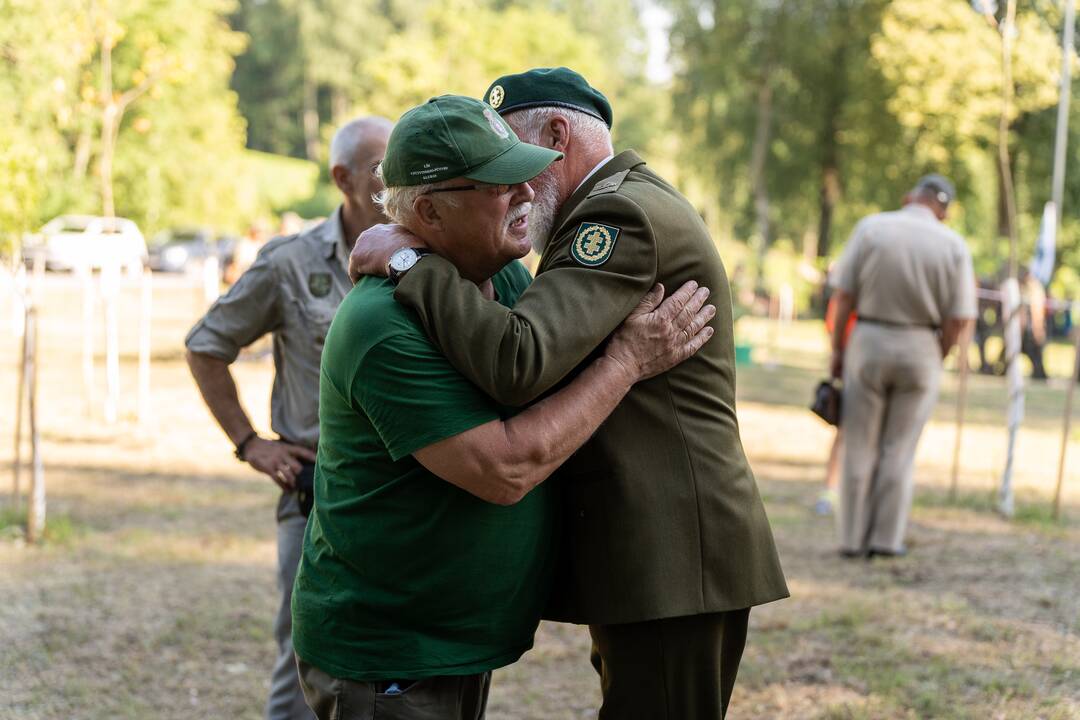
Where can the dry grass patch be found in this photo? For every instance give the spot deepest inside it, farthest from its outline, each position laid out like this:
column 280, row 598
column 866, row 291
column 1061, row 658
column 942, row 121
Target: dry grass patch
column 154, row 595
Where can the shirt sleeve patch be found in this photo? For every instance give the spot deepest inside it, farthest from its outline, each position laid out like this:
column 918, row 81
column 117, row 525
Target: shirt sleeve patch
column 593, row 243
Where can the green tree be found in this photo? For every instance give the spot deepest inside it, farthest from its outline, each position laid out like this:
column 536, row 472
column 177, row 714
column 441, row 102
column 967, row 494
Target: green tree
column 39, row 70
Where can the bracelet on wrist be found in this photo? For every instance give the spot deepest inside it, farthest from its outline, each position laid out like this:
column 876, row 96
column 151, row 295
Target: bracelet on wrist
column 242, row 445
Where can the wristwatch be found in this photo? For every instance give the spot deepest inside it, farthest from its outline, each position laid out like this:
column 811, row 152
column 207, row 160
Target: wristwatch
column 402, row 261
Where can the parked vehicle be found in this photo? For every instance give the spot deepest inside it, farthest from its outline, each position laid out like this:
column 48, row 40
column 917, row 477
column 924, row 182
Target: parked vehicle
column 181, row 249
column 71, row 241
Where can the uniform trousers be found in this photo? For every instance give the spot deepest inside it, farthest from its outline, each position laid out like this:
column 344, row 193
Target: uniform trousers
column 446, row 697
column 679, row 668
column 286, row 701
column 891, row 378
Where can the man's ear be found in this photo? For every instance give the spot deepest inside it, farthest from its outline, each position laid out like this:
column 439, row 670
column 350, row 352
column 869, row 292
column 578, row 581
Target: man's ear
column 427, row 213
column 556, row 133
column 343, row 179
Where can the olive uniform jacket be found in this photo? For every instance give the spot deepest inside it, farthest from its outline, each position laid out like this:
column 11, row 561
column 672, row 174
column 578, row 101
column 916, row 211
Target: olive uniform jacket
column 661, row 514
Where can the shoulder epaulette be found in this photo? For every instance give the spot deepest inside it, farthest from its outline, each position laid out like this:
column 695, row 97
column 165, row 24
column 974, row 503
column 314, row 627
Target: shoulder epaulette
column 609, row 185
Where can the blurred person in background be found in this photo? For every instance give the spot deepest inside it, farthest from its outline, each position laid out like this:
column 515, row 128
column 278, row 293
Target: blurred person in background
column 910, row 280
column 291, row 290
column 827, row 500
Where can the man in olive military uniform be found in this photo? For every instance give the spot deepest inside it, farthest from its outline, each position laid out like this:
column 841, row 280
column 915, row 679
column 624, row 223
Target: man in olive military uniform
column 665, row 545
column 291, row 291
column 910, row 281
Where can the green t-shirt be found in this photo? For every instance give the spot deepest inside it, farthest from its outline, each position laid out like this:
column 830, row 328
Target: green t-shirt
column 403, row 574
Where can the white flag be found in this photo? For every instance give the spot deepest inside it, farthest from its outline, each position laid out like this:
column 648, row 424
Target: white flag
column 1042, row 265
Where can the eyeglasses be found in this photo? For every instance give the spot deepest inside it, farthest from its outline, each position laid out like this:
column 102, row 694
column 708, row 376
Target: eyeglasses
column 495, row 190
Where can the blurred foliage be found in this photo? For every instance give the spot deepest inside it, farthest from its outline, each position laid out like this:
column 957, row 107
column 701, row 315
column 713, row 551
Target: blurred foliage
column 178, row 142
column 785, row 121
column 848, row 102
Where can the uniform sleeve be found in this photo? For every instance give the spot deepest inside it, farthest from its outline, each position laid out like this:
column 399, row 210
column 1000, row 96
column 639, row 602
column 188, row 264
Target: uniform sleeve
column 964, row 306
column 414, row 397
column 250, row 309
column 517, row 354
column 846, row 274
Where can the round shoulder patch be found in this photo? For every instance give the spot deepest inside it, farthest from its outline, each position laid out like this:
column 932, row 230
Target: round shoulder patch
column 593, row 243
column 495, row 97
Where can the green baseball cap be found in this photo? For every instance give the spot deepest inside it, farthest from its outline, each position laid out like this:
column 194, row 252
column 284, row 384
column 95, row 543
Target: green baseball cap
column 546, row 87
column 453, row 136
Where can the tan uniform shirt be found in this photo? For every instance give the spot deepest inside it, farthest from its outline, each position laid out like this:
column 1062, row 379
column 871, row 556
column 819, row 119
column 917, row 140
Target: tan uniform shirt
column 907, row 268
column 292, row 290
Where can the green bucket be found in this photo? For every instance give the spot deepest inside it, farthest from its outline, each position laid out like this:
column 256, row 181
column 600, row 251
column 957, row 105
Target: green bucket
column 744, row 354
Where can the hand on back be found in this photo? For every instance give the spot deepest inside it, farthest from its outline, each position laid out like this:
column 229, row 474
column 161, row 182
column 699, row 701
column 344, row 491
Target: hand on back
column 656, row 336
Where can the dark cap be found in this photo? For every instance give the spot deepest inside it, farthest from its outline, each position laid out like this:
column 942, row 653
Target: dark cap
column 939, row 185
column 548, row 87
column 453, row 136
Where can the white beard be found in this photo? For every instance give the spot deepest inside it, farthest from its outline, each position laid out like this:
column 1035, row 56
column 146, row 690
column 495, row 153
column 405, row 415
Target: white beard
column 545, row 206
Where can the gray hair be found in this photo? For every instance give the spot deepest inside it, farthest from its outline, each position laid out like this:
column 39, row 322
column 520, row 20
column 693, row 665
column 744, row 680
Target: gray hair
column 397, row 202
column 349, row 137
column 591, row 131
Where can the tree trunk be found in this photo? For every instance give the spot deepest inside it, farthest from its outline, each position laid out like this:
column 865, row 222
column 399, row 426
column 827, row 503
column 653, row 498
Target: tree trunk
column 109, row 122
column 830, row 165
column 311, row 117
column 830, row 195
column 758, row 157
column 339, row 107
column 82, row 154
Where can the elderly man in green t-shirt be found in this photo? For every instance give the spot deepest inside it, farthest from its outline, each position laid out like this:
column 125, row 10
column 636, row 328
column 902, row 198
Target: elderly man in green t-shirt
column 428, row 556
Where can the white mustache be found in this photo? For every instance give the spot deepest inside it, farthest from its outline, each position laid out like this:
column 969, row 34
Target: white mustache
column 517, row 212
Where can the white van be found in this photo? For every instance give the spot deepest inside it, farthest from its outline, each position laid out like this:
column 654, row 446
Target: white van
column 71, row 241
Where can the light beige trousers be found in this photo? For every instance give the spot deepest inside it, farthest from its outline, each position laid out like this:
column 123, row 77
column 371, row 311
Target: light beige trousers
column 891, row 378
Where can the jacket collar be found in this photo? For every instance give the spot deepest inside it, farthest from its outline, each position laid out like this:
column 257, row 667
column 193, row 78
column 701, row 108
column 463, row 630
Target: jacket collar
column 330, row 234
column 625, row 160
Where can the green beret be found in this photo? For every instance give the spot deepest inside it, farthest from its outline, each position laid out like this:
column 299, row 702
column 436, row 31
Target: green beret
column 548, row 87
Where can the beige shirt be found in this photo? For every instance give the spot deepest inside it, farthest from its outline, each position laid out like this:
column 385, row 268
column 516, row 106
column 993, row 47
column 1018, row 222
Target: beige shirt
column 906, row 267
column 292, row 291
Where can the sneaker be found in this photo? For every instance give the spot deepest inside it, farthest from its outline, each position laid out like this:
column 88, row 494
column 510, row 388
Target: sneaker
column 824, row 504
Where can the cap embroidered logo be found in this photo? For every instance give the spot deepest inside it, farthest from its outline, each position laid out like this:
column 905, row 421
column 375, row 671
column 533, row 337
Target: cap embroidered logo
column 496, row 124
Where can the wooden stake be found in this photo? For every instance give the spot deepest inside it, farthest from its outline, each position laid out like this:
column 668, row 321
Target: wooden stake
column 16, row 465
column 1066, row 425
column 146, row 312
column 86, row 274
column 961, row 403
column 35, row 518
column 110, row 288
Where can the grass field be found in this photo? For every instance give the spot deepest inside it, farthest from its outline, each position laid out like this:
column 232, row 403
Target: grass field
column 154, row 593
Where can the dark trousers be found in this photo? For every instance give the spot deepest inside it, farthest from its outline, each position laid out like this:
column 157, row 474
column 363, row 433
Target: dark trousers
column 680, row 668
column 447, row 697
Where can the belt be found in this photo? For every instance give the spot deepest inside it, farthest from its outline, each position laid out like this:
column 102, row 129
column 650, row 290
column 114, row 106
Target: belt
column 895, row 324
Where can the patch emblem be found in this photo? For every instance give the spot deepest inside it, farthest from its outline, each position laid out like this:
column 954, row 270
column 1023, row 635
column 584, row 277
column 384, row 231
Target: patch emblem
column 319, row 284
column 593, row 243
column 495, row 97
column 496, row 124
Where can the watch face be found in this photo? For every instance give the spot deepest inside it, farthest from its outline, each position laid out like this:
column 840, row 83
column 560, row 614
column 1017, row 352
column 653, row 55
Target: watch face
column 403, row 259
